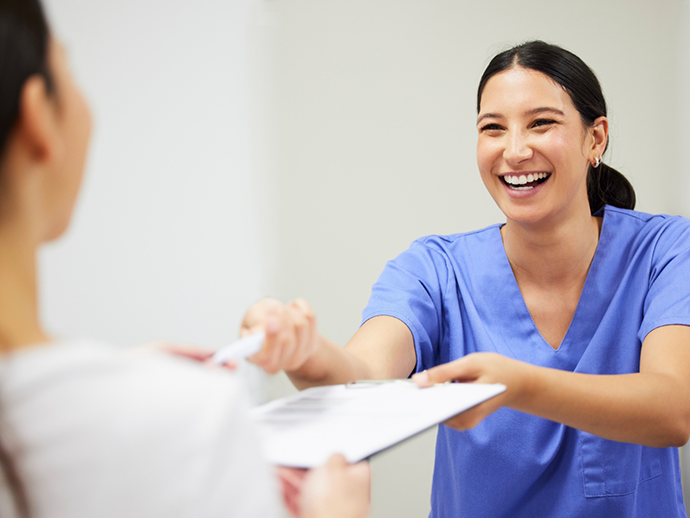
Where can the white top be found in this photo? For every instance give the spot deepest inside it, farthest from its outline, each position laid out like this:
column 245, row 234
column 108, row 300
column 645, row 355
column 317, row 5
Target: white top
column 97, row 433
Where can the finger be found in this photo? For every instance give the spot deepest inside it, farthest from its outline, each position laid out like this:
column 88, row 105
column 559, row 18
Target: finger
column 303, row 306
column 310, row 338
column 294, row 475
column 291, row 497
column 337, row 461
column 292, row 339
column 246, row 331
column 285, row 343
column 186, row 351
column 362, row 472
column 256, row 314
column 291, row 478
column 291, row 481
column 272, row 328
column 291, row 501
column 459, row 370
column 298, row 353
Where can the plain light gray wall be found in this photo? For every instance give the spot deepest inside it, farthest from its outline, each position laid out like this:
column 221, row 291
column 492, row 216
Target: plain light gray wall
column 372, row 141
column 164, row 239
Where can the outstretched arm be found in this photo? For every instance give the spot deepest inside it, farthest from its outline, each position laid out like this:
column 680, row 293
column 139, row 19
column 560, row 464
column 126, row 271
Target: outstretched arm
column 651, row 407
column 382, row 347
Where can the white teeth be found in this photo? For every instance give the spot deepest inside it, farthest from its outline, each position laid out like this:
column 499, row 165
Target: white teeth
column 522, row 179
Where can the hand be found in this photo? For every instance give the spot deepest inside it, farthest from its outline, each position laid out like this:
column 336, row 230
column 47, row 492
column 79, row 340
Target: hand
column 190, row 352
column 291, row 335
column 337, row 490
column 480, row 368
column 291, row 482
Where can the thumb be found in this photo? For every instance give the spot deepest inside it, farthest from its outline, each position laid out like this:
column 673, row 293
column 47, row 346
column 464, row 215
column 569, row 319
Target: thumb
column 458, row 370
column 337, row 461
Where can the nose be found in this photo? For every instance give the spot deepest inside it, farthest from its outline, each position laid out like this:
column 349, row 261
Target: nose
column 517, row 149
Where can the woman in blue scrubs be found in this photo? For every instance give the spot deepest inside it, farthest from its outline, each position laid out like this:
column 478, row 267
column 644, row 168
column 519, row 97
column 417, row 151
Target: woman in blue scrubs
column 578, row 304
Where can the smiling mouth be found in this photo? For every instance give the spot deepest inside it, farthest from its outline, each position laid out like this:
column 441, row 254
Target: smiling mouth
column 524, row 182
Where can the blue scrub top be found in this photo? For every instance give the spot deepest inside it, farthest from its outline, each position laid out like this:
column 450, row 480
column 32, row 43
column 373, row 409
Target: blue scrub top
column 457, row 294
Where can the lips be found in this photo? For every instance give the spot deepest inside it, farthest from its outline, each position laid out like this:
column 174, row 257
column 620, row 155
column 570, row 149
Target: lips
column 524, row 181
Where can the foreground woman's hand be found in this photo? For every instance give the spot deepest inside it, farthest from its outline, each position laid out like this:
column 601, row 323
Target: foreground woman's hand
column 336, row 490
column 481, row 368
column 190, row 352
column 291, row 483
column 291, row 335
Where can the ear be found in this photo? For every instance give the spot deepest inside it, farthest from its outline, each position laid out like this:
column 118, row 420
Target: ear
column 36, row 129
column 600, row 134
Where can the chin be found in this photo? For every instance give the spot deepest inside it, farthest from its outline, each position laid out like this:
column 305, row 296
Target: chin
column 57, row 229
column 519, row 210
column 526, row 215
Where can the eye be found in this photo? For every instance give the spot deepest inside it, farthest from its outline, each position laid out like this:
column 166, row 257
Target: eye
column 492, row 126
column 540, row 123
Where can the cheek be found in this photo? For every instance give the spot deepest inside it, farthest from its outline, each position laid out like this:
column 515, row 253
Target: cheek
column 562, row 151
column 488, row 152
column 79, row 131
column 82, row 118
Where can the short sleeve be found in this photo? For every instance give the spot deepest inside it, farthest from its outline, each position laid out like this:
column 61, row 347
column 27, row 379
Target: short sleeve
column 109, row 435
column 410, row 289
column 668, row 297
column 192, row 432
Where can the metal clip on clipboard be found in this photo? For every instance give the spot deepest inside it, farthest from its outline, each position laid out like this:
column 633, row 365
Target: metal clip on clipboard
column 372, row 383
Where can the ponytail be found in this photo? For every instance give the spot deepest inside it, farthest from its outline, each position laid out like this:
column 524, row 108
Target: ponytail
column 606, row 186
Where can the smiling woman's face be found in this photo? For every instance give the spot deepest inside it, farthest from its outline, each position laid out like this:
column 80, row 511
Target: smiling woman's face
column 532, row 149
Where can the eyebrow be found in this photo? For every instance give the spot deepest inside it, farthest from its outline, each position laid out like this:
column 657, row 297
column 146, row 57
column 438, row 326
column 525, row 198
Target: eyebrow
column 535, row 111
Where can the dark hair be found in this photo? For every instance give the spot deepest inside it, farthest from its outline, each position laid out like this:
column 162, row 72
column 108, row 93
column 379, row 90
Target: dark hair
column 605, row 185
column 24, row 38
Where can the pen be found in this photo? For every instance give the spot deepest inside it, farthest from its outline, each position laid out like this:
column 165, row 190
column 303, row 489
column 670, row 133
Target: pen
column 239, row 349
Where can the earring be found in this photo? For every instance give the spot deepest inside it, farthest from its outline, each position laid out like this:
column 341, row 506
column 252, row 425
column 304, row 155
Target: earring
column 597, row 161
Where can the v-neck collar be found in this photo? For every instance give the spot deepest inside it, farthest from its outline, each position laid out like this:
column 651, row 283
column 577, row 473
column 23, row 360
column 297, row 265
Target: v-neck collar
column 595, row 297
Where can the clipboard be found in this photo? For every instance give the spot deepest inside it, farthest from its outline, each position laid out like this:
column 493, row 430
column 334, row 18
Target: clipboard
column 358, row 420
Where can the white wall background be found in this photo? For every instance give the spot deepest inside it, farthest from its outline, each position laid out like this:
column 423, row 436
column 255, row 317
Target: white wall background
column 164, row 240
column 359, row 139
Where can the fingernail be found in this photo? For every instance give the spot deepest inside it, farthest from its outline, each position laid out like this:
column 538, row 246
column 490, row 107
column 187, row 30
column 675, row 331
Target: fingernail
column 421, row 378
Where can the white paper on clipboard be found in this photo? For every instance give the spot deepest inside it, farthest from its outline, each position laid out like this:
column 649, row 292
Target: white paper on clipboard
column 305, row 429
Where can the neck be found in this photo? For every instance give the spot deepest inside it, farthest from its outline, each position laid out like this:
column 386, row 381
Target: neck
column 557, row 254
column 19, row 321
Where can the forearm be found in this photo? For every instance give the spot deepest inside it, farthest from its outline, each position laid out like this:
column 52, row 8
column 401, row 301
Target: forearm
column 645, row 408
column 330, row 365
column 381, row 348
